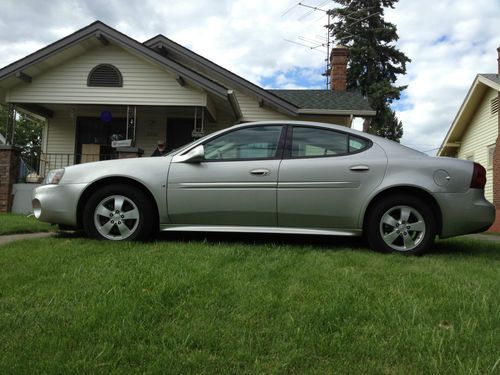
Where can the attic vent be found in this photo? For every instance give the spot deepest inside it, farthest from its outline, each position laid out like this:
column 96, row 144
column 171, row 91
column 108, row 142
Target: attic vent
column 105, row 75
column 494, row 106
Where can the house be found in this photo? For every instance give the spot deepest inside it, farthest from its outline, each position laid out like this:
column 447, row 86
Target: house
column 98, row 85
column 474, row 133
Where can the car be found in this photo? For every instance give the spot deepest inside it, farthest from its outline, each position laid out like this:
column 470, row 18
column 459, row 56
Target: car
column 275, row 177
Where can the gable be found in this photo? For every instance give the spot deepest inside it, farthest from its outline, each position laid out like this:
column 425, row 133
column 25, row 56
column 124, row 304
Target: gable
column 144, row 83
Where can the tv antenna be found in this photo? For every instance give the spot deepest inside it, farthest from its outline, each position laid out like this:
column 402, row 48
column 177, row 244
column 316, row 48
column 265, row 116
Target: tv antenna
column 319, row 42
column 315, row 44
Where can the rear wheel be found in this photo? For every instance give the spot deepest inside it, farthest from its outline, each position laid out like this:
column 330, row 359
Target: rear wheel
column 118, row 212
column 401, row 223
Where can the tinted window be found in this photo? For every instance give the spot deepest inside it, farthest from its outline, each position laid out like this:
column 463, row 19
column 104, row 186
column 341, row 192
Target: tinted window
column 258, row 142
column 357, row 144
column 309, row 142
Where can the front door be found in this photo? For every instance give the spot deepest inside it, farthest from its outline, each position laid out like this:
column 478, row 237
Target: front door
column 93, row 138
column 234, row 185
column 325, row 177
column 179, row 132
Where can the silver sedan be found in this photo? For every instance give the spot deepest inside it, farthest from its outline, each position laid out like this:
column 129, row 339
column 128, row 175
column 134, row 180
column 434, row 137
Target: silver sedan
column 275, row 177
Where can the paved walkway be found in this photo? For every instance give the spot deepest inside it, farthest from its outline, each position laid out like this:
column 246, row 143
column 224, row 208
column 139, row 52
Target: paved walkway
column 25, row 236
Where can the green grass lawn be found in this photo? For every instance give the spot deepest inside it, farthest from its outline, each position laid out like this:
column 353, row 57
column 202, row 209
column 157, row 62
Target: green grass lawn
column 13, row 224
column 247, row 304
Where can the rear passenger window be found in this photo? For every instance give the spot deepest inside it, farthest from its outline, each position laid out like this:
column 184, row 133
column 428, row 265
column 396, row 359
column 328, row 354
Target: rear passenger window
column 313, row 142
column 310, row 142
column 357, row 144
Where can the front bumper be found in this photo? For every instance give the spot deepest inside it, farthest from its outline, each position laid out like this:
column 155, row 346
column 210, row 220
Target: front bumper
column 57, row 204
column 465, row 213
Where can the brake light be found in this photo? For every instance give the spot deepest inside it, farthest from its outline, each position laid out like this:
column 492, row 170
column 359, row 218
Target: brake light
column 478, row 177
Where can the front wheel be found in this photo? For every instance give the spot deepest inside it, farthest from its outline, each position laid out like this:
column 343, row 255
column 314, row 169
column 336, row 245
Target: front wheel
column 118, row 212
column 401, row 223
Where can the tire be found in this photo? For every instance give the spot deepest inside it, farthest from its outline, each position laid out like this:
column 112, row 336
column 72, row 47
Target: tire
column 119, row 212
column 400, row 223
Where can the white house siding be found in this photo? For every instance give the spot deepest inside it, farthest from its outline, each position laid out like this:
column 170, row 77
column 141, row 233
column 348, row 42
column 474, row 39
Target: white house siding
column 253, row 112
column 151, row 128
column 143, row 83
column 61, row 133
column 481, row 133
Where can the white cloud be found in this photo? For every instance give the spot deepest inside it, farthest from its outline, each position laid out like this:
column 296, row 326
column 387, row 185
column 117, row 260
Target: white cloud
column 448, row 41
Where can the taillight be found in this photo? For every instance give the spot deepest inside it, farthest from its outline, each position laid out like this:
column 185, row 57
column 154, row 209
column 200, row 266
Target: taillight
column 478, row 177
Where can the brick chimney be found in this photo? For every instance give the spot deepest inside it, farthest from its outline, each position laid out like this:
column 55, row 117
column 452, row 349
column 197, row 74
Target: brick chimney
column 496, row 164
column 338, row 68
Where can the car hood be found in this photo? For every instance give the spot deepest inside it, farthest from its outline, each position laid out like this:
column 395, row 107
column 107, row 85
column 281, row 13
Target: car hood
column 136, row 168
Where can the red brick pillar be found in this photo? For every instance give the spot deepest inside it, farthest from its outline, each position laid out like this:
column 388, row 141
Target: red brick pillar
column 9, row 172
column 338, row 68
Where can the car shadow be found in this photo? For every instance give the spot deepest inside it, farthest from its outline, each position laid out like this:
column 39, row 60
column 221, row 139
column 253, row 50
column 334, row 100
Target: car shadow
column 458, row 246
column 317, row 241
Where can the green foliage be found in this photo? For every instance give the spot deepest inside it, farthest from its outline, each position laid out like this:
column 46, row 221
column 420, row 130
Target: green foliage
column 70, row 305
column 374, row 61
column 27, row 133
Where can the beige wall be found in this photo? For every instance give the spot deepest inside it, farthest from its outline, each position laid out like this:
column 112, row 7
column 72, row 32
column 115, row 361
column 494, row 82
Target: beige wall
column 480, row 134
column 143, row 83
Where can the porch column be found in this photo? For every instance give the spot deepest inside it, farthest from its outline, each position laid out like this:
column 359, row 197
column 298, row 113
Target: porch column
column 9, row 173
column 496, row 167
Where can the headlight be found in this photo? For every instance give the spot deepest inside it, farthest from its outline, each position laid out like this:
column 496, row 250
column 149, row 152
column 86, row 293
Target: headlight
column 53, row 177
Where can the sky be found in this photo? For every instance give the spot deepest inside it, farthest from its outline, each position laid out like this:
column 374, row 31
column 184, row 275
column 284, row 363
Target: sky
column 448, row 41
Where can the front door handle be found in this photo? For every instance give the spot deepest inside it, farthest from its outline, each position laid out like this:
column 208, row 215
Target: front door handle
column 260, row 172
column 359, row 168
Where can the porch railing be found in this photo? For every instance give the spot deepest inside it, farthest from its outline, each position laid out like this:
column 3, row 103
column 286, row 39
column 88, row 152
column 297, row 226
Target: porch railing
column 45, row 162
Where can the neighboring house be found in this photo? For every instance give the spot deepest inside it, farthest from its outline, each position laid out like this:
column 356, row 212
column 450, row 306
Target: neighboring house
column 98, row 84
column 474, row 134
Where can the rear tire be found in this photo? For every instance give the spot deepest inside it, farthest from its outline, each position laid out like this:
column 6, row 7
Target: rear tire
column 119, row 212
column 400, row 223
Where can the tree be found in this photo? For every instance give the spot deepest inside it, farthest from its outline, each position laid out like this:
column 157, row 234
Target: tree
column 28, row 134
column 374, row 61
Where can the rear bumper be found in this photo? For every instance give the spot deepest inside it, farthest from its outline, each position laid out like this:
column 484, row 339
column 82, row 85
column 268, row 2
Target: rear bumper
column 465, row 213
column 57, row 204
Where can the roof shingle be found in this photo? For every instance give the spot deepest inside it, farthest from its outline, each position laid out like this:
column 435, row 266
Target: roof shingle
column 324, row 99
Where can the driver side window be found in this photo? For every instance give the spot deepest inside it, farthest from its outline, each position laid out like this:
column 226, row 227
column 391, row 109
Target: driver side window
column 258, row 142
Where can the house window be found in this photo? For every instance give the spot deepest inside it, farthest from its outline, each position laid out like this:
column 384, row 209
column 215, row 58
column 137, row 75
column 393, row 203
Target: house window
column 491, row 153
column 105, row 75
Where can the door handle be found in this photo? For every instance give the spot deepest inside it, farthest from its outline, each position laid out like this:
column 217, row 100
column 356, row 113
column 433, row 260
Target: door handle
column 359, row 168
column 260, row 172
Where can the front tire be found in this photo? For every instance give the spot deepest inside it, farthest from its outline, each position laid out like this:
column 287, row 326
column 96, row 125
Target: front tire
column 401, row 223
column 118, row 212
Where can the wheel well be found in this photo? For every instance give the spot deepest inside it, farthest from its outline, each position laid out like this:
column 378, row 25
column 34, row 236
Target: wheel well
column 107, row 181
column 413, row 191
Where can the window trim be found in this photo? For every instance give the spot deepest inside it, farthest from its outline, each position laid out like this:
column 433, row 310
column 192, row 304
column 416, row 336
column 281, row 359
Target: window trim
column 488, row 148
column 288, row 144
column 279, row 149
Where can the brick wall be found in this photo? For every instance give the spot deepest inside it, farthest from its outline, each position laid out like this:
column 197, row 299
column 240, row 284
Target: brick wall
column 338, row 68
column 9, row 170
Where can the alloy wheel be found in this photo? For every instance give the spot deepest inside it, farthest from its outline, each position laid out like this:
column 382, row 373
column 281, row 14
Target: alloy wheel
column 116, row 217
column 402, row 228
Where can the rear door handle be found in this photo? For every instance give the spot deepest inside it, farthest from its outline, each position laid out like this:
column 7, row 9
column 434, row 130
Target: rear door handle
column 359, row 168
column 260, row 172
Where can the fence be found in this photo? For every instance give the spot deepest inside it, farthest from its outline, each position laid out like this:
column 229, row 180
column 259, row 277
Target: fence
column 43, row 163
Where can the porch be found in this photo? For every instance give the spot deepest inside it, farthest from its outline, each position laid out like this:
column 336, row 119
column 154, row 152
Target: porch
column 75, row 134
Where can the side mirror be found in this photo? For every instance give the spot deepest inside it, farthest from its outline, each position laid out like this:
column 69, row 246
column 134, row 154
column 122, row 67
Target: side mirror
column 195, row 155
